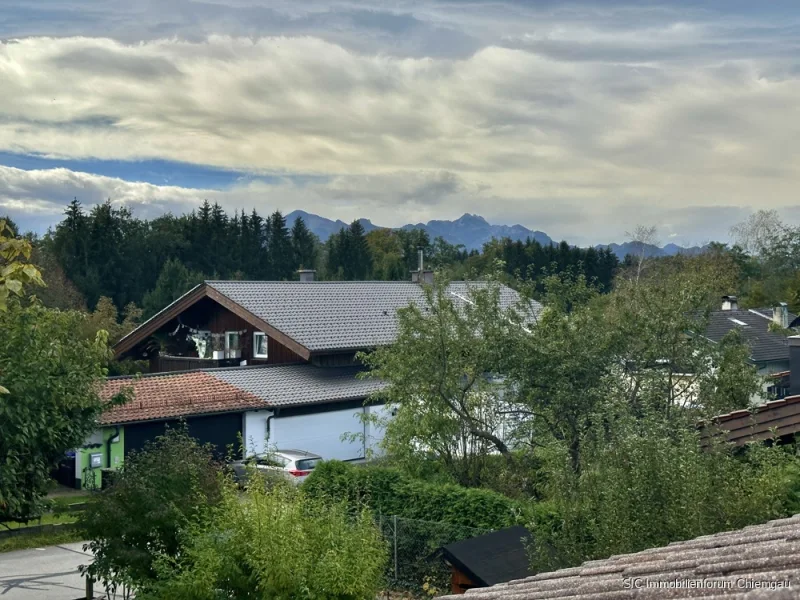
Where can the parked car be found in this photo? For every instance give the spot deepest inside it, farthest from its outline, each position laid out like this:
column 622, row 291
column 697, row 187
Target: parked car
column 295, row 465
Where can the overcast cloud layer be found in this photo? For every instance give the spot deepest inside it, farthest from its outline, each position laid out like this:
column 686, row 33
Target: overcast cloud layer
column 579, row 120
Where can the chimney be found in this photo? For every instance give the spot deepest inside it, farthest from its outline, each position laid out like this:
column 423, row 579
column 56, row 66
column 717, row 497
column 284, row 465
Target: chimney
column 307, row 275
column 794, row 365
column 730, row 303
column 780, row 315
column 421, row 275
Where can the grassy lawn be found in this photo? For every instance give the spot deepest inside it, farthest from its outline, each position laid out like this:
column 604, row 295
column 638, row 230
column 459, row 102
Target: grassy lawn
column 24, row 542
column 46, row 519
column 58, row 515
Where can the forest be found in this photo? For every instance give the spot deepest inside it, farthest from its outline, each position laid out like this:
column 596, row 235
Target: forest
column 107, row 252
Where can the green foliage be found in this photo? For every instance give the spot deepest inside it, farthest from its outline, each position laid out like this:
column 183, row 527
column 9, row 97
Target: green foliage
column 15, row 271
column 390, row 492
column 50, row 371
column 172, row 283
column 157, row 496
column 349, row 254
column 439, row 370
column 643, row 483
column 304, row 245
column 276, row 544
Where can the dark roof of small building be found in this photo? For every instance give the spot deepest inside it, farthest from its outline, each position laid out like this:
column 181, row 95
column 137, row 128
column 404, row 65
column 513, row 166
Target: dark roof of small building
column 343, row 315
column 756, row 555
column 173, row 395
column 493, row 558
column 298, row 385
column 236, row 389
column 753, row 325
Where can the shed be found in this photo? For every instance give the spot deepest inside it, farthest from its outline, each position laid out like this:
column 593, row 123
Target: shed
column 488, row 559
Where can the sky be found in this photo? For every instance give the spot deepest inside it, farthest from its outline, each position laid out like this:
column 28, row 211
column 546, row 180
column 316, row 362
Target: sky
column 580, row 119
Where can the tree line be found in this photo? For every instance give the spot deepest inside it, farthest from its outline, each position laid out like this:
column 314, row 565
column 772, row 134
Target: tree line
column 108, row 252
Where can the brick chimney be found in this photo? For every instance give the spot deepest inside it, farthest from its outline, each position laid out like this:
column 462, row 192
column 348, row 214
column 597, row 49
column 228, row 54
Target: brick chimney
column 794, row 365
column 780, row 315
column 307, row 275
column 730, row 303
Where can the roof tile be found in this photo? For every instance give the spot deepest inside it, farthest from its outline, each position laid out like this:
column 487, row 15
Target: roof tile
column 174, row 395
column 727, row 565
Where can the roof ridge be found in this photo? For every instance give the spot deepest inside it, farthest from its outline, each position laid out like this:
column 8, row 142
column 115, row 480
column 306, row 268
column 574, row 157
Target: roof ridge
column 237, row 281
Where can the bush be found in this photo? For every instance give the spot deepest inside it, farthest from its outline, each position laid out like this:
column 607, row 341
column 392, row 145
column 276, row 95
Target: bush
column 277, row 543
column 158, row 494
column 390, row 492
column 648, row 484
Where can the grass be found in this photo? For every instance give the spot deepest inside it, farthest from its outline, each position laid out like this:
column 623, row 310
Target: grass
column 46, row 519
column 24, row 542
column 59, row 514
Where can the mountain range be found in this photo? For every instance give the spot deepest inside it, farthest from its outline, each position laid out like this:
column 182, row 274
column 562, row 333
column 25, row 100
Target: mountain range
column 472, row 231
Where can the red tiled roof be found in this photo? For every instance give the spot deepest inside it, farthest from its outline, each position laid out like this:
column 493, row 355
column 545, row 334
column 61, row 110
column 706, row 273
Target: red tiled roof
column 174, row 395
column 780, row 417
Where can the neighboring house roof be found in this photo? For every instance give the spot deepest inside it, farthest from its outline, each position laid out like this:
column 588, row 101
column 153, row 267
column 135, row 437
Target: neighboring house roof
column 757, row 555
column 298, row 385
column 753, row 325
column 335, row 315
column 493, row 558
column 314, row 317
column 776, row 418
column 173, row 395
column 235, row 389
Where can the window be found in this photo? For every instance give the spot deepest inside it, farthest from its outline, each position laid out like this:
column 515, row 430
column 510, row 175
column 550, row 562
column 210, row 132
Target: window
column 260, row 348
column 232, row 344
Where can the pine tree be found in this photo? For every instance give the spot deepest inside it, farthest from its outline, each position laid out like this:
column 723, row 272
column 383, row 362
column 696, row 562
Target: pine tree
column 173, row 281
column 279, row 246
column 358, row 260
column 304, row 244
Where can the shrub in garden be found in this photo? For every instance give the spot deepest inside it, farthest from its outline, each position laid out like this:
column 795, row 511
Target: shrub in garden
column 390, row 492
column 158, row 494
column 276, row 543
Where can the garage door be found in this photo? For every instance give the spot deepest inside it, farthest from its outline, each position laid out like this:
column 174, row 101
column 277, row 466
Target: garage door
column 320, row 433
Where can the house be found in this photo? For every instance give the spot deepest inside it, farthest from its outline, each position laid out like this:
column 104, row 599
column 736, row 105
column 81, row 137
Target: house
column 260, row 364
column 763, row 329
column 292, row 406
column 778, row 418
column 488, row 559
column 751, row 563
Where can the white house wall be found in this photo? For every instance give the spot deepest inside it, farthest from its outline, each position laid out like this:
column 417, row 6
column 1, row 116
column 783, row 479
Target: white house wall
column 254, row 431
column 320, row 433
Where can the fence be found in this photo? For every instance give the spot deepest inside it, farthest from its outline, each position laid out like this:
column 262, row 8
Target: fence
column 415, row 564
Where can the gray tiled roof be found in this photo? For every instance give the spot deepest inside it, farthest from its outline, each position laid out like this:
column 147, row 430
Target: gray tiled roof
column 747, row 557
column 337, row 315
column 297, row 385
column 753, row 325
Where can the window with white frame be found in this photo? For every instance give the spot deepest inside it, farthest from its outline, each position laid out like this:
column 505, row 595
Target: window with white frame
column 260, row 348
column 232, row 348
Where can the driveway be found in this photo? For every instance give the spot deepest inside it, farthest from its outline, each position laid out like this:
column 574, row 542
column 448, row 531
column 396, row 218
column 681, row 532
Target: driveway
column 49, row 573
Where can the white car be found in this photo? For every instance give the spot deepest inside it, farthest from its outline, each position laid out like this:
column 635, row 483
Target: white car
column 296, row 465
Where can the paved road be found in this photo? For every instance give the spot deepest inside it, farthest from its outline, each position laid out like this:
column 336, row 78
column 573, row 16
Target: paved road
column 49, row 573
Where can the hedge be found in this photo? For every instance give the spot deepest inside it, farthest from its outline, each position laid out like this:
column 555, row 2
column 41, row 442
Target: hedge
column 390, row 492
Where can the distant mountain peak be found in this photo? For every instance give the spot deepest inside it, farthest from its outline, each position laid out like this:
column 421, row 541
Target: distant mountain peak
column 471, row 219
column 473, row 231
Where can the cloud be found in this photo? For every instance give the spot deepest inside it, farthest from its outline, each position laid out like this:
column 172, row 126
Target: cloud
column 580, row 119
column 36, row 199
